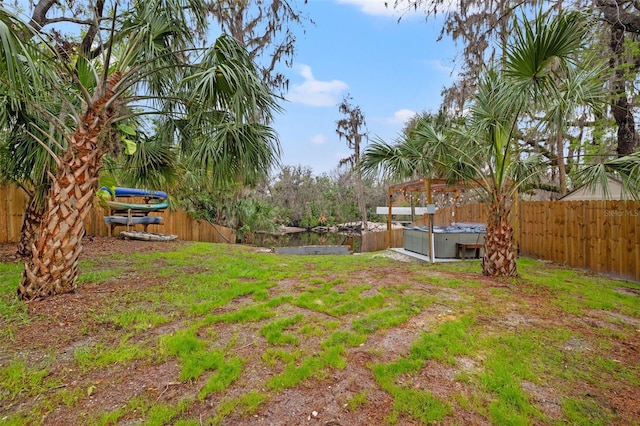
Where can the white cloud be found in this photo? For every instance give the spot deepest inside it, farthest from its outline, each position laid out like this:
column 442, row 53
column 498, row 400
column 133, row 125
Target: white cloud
column 439, row 66
column 314, row 92
column 372, row 7
column 402, row 116
column 319, row 139
column 399, row 118
column 404, row 9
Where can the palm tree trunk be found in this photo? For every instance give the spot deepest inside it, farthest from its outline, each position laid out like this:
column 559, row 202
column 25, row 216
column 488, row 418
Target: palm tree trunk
column 30, row 228
column 499, row 255
column 562, row 170
column 52, row 267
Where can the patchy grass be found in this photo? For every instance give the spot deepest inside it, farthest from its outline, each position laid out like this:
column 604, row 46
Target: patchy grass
column 19, row 379
column 11, row 309
column 220, row 335
column 101, row 355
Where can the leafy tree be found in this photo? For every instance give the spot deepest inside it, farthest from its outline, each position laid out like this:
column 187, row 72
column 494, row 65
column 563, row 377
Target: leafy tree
column 623, row 73
column 293, row 191
column 482, row 28
column 139, row 59
column 25, row 162
column 412, row 156
column 306, row 201
column 484, row 150
column 263, row 28
column 250, row 216
column 578, row 86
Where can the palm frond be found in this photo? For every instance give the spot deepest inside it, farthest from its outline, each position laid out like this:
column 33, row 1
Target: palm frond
column 232, row 152
column 596, row 176
column 154, row 165
column 389, row 160
column 540, row 48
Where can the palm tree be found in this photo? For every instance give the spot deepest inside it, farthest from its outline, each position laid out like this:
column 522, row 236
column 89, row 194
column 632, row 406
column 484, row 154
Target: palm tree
column 484, row 150
column 27, row 164
column 147, row 64
column 418, row 154
column 582, row 86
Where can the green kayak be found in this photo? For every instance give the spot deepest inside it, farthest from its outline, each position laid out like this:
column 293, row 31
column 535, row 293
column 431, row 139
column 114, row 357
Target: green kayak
column 149, row 207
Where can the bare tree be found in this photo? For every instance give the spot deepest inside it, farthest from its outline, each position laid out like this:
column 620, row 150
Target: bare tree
column 264, row 28
column 352, row 127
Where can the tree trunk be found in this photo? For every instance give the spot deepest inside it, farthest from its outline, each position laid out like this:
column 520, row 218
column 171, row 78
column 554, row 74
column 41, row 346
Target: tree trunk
column 499, row 255
column 562, row 171
column 362, row 206
column 620, row 108
column 30, row 228
column 52, row 267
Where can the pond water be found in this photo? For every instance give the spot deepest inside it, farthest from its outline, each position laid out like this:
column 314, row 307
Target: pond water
column 297, row 239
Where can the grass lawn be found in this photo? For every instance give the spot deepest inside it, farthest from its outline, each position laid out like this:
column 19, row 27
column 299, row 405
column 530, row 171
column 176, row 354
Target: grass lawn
column 195, row 333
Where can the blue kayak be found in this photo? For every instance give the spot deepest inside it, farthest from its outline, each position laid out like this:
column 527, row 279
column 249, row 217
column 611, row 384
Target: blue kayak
column 136, row 192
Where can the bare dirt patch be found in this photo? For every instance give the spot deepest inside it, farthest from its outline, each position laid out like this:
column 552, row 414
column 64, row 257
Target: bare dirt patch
column 60, row 325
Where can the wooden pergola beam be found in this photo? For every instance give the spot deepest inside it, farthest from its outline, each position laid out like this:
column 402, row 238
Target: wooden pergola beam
column 429, row 186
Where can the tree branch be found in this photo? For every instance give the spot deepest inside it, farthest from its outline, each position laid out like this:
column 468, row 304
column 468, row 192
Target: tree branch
column 615, row 14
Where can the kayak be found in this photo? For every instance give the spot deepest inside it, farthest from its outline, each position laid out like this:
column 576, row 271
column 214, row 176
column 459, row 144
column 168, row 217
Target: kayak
column 124, row 220
column 146, row 236
column 148, row 207
column 136, row 192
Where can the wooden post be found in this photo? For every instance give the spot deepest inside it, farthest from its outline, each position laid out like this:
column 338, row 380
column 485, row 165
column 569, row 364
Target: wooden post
column 454, row 214
column 431, row 250
column 413, row 208
column 389, row 231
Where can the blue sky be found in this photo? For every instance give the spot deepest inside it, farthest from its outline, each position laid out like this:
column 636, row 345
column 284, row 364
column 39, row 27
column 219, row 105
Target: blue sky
column 357, row 47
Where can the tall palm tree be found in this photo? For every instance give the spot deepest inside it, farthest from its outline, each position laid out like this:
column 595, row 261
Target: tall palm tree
column 484, row 150
column 148, row 63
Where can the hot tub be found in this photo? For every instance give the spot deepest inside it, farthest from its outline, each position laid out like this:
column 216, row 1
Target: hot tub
column 416, row 238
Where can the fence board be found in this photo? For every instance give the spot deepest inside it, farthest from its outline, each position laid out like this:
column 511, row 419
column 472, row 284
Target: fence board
column 603, row 236
column 13, row 202
column 4, row 222
column 376, row 241
column 597, row 235
column 11, row 212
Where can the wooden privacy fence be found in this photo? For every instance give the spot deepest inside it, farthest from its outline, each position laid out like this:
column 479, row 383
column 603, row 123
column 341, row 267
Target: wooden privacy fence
column 375, row 241
column 603, row 236
column 176, row 222
column 445, row 216
column 13, row 202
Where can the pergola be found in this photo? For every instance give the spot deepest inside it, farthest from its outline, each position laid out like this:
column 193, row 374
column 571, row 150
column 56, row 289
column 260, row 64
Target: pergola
column 428, row 186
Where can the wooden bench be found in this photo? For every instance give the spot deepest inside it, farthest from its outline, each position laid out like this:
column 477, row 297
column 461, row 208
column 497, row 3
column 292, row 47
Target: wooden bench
column 464, row 246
